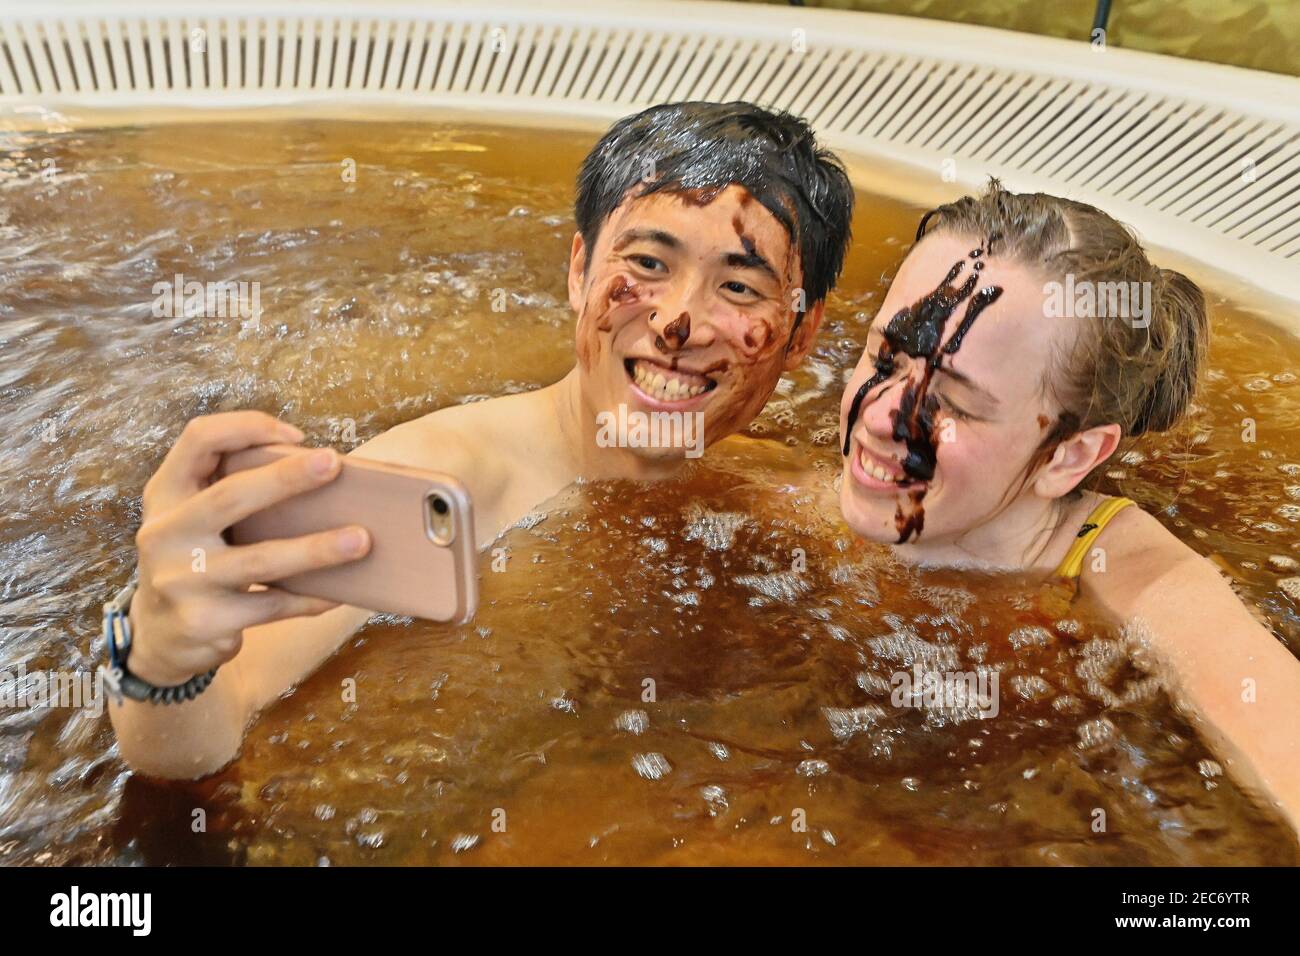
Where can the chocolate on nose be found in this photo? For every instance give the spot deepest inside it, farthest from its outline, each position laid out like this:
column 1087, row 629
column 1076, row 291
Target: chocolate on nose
column 678, row 330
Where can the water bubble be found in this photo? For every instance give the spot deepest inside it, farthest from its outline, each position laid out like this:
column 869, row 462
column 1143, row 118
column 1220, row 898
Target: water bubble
column 782, row 586
column 846, row 721
column 1069, row 626
column 715, row 797
column 1031, row 635
column 435, row 688
column 462, row 842
column 652, row 766
column 1096, row 733
column 719, row 750
column 716, row 529
column 1031, row 686
column 531, row 520
column 812, row 768
column 633, row 722
column 1067, row 704
column 877, row 685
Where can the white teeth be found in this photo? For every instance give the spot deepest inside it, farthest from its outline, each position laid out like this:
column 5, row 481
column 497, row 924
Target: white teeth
column 874, row 470
column 666, row 389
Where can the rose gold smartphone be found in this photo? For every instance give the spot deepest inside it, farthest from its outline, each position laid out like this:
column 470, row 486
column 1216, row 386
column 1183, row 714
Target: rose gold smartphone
column 422, row 560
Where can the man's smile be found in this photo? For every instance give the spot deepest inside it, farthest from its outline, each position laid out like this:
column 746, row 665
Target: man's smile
column 661, row 386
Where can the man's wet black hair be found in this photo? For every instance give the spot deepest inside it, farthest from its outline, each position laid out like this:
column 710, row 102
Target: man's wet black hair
column 709, row 146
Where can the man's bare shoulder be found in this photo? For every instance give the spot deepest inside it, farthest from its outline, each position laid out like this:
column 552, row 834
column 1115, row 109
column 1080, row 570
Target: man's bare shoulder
column 457, row 440
column 496, row 448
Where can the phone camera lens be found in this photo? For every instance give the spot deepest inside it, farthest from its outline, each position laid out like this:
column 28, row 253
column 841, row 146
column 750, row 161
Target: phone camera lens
column 440, row 522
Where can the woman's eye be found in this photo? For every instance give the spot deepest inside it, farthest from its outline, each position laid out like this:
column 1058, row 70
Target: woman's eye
column 954, row 410
column 738, row 288
column 648, row 263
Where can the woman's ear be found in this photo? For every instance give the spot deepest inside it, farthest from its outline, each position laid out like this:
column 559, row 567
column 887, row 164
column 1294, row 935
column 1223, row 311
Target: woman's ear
column 577, row 272
column 1074, row 458
column 801, row 340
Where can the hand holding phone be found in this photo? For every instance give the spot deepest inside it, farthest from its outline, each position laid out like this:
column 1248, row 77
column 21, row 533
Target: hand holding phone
column 194, row 601
column 422, row 559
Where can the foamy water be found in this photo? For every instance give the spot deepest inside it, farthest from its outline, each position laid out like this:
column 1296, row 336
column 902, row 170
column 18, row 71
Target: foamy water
column 697, row 671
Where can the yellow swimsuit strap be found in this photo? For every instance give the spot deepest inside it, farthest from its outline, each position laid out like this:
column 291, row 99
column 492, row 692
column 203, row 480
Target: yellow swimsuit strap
column 1072, row 566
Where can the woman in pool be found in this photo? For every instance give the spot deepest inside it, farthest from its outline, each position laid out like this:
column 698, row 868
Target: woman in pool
column 978, row 410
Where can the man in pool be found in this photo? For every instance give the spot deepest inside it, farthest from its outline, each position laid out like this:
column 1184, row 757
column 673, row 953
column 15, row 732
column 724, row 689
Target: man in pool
column 708, row 237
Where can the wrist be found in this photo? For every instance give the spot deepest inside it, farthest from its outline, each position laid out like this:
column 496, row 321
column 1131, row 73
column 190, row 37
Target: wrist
column 144, row 664
column 133, row 671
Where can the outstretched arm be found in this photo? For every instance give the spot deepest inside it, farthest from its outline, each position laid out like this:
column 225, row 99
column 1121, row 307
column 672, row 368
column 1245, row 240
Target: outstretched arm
column 1236, row 682
column 263, row 643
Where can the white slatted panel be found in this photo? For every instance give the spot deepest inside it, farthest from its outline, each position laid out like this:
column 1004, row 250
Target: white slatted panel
column 1216, row 169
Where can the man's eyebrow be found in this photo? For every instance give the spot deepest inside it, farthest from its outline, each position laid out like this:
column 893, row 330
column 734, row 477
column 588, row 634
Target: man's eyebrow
column 969, row 382
column 750, row 259
column 657, row 236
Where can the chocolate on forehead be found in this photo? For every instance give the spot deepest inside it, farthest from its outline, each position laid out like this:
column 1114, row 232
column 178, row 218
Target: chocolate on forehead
column 918, row 331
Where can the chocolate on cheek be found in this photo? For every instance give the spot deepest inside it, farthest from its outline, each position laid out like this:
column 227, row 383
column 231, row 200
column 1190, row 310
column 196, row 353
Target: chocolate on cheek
column 619, row 291
column 759, row 334
column 918, row 331
column 756, row 337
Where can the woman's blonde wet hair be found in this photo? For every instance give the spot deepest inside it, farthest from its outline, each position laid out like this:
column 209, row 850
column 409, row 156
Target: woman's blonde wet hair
column 1140, row 374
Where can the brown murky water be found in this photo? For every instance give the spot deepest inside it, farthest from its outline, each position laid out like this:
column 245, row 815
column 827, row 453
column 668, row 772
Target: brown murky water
column 696, row 672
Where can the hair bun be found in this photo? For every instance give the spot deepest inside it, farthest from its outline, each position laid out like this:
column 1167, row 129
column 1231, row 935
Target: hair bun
column 1178, row 331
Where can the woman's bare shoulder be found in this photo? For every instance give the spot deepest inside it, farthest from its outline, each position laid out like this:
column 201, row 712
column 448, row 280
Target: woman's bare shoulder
column 1139, row 555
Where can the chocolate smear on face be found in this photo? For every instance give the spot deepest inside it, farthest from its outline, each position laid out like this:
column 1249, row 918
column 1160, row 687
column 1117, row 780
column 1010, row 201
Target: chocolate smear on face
column 913, row 520
column 621, row 292
column 746, row 242
column 699, row 196
column 678, row 330
column 918, row 332
column 675, row 335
